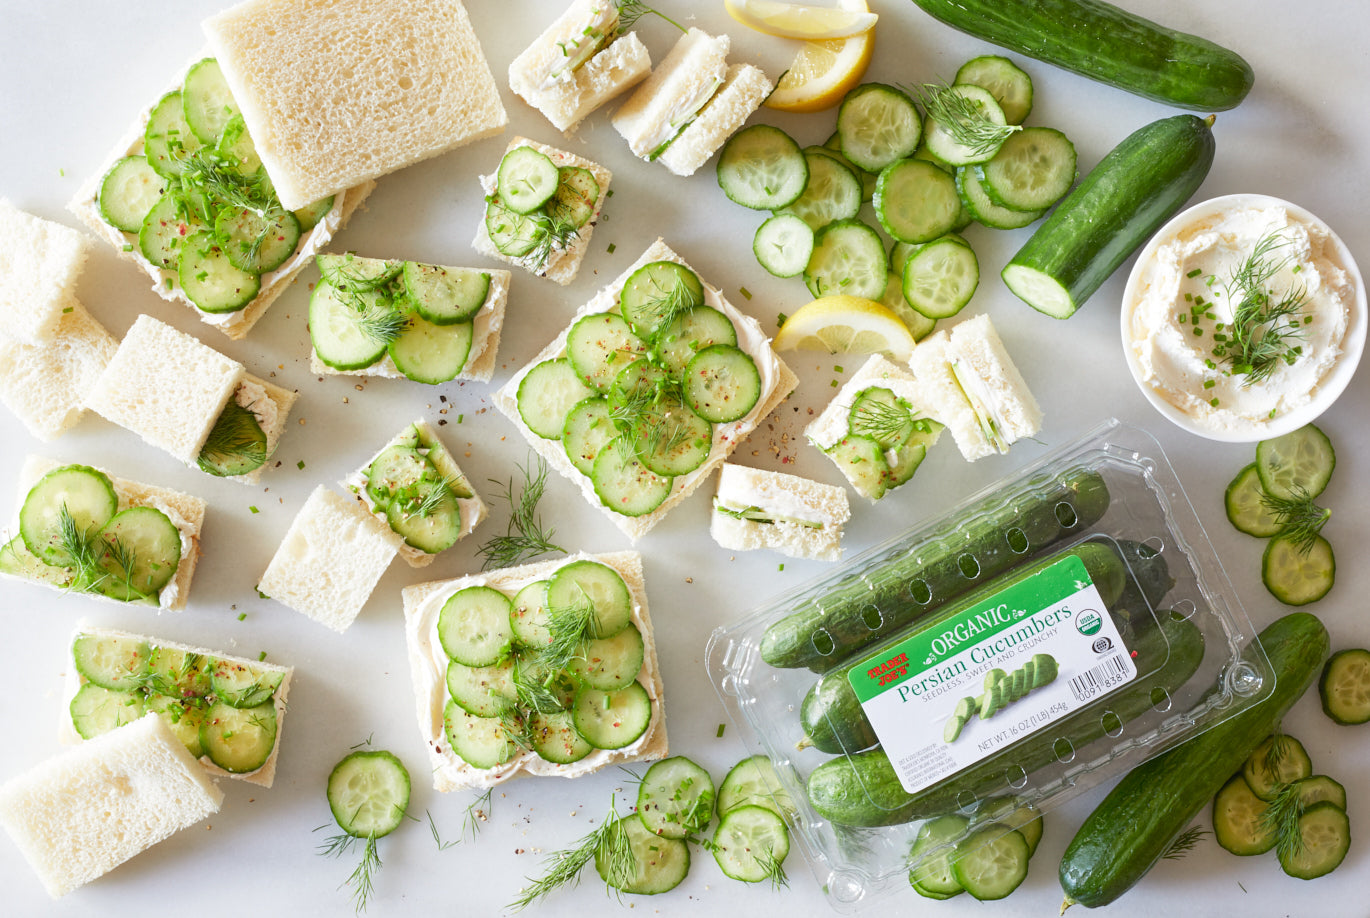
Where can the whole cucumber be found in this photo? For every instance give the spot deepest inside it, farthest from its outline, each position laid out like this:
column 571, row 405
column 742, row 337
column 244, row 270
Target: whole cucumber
column 1136, row 823
column 1102, row 42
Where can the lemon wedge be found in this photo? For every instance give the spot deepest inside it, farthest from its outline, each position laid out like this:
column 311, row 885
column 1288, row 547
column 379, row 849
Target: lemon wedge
column 845, row 324
column 795, row 20
column 823, row 72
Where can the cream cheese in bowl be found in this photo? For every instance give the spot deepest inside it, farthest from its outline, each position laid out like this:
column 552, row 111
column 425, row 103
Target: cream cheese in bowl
column 1244, row 318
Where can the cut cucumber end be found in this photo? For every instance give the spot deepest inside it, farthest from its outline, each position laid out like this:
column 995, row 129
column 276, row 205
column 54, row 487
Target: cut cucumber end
column 1039, row 290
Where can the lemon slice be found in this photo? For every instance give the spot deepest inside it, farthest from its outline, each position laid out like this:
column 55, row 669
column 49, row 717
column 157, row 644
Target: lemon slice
column 794, row 20
column 823, row 72
column 846, row 325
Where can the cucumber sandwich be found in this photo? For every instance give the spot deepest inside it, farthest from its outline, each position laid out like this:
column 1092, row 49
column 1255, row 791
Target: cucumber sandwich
column 785, row 513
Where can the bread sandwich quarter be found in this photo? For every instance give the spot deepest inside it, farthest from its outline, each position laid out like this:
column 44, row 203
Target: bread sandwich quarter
column 166, row 281
column 185, row 512
column 228, row 711
column 795, row 516
column 691, row 104
column 45, row 385
column 77, row 816
column 420, row 439
column 973, row 387
column 172, row 390
column 777, row 381
column 579, row 63
column 40, row 262
column 553, row 260
column 429, row 664
column 330, row 560
column 339, row 92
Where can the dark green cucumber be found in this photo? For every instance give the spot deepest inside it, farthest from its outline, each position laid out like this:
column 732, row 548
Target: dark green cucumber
column 1104, row 43
column 863, row 789
column 1139, row 819
column 1134, row 189
column 831, row 714
column 884, row 596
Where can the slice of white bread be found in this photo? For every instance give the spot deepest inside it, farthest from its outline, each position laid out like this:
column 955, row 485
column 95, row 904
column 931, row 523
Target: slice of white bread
column 40, row 262
column 263, row 776
column 186, row 512
column 170, row 388
column 428, row 666
column 690, row 74
column 803, row 518
column 45, row 385
column 562, row 264
column 473, row 509
column 330, row 560
column 480, row 361
column 742, row 93
column 339, row 92
column 777, row 382
column 570, row 97
column 77, row 816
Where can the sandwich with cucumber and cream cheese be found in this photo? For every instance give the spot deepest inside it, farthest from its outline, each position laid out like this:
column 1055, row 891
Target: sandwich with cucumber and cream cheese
column 795, row 516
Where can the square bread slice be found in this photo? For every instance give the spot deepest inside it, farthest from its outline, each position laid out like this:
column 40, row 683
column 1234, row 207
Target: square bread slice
column 776, row 380
column 369, row 87
column 330, row 560
column 423, row 437
column 564, row 96
column 185, row 511
column 423, row 604
column 45, row 385
column 194, row 689
column 742, row 92
column 556, row 263
column 170, row 389
column 78, row 815
column 795, row 516
column 40, row 262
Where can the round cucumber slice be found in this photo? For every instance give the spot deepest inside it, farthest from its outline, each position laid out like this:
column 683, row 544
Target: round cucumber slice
column 95, row 710
column 112, row 661
column 722, row 384
column 473, row 626
column 658, row 864
column 751, row 844
column 61, row 511
column 1296, row 464
column 368, row 792
column 676, row 798
column 1297, row 577
column 140, row 549
column 1245, row 503
column 582, row 583
column 762, row 167
column 656, row 293
column 754, row 781
column 992, row 862
column 1345, row 686
column 1240, row 824
column 239, row 740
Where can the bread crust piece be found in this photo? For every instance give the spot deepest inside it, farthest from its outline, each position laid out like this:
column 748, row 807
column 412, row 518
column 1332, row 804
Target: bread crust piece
column 421, row 604
column 373, row 87
column 45, row 385
column 263, row 776
column 186, row 512
column 792, row 501
column 726, row 436
column 40, row 262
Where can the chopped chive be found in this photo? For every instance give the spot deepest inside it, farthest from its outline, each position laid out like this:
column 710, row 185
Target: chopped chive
column 1183, row 318
column 300, row 465
column 261, row 657
column 1214, row 402
column 780, row 319
column 611, row 248
column 69, row 309
column 1195, row 273
column 1210, row 383
column 838, row 369
column 782, row 566
column 128, row 247
column 719, row 735
column 242, row 616
column 1198, row 331
column 253, row 509
column 746, row 294
column 833, row 384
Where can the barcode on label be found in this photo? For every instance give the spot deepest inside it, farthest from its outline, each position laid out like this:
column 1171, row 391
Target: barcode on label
column 1096, row 679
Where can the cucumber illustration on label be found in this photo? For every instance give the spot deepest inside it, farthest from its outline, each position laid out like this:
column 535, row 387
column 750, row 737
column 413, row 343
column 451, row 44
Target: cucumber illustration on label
column 1001, row 690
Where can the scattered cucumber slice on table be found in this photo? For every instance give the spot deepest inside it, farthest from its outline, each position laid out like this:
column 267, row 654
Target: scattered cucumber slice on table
column 1345, row 686
column 1240, row 824
column 751, row 843
column 1277, row 761
column 1296, row 576
column 966, row 125
column 754, row 781
column 762, row 167
column 1005, row 80
column 941, row 277
column 1246, row 508
column 1032, row 170
column 833, row 193
column 848, row 257
column 1324, row 838
column 915, row 201
column 1296, row 464
column 368, row 792
column 878, row 124
column 991, row 862
column 783, row 245
column 1317, row 788
column 982, row 208
column 658, row 864
column 676, row 798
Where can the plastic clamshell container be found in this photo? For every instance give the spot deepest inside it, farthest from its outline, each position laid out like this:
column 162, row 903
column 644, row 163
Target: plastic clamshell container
column 932, row 572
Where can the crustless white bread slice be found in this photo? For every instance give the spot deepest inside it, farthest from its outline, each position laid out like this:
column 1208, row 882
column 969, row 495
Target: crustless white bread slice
column 77, row 816
column 795, row 516
column 678, row 88
column 45, row 385
column 338, row 92
column 40, row 262
column 742, row 93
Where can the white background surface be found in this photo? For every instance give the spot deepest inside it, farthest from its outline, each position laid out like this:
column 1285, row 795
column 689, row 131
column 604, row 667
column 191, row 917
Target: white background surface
column 75, row 74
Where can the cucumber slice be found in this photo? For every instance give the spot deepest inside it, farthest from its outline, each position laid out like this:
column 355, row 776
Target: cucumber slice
column 128, row 192
column 688, row 334
column 656, row 293
column 1345, row 686
column 1245, row 503
column 512, row 233
column 340, row 338
column 832, row 194
column 862, row 461
column 612, row 720
column 95, row 710
column 210, row 279
column 754, row 782
column 481, row 742
column 555, row 738
column 624, row 484
column 140, row 549
column 1296, row 576
column 1010, row 86
column 184, row 717
column 848, row 257
column 658, row 864
column 526, row 180
column 1319, row 788
column 941, row 277
column 991, row 862
column 675, row 798
column 1277, row 761
column 931, row 855
column 529, row 616
column 1325, row 834
column 473, row 626
column 254, row 242
column 761, row 167
column 368, row 792
column 207, row 101
column 178, row 673
column 751, row 844
column 983, row 209
column 547, row 393
column 309, row 216
column 961, row 131
column 878, row 124
column 576, row 196
column 721, row 385
column 915, row 201
column 168, row 139
column 239, row 740
column 588, row 430
column 445, row 296
column 165, row 229
column 484, row 691
column 919, row 325
column 1032, row 170
column 430, row 353
column 600, row 345
column 832, row 148
column 243, row 685
column 112, row 661
column 877, row 413
column 236, row 444
column 783, row 245
column 1297, row 464
column 1240, row 823
column 1008, row 811
column 589, row 582
column 62, row 510
column 611, row 663
column 396, row 471
column 431, row 521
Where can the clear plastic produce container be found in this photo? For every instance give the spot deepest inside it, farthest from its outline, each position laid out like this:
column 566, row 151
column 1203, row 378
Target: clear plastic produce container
column 1018, row 681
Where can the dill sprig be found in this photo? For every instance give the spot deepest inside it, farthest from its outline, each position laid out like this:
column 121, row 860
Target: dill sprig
column 1185, row 842
column 1299, row 518
column 209, row 182
column 477, row 812
column 646, row 417
column 963, row 119
column 630, row 11
column 423, row 498
column 886, row 422
column 534, row 694
column 1265, row 330
column 609, row 842
column 551, row 233
column 525, row 537
column 236, row 442
column 570, row 627
column 437, row 839
column 361, row 880
column 1282, row 818
column 372, row 296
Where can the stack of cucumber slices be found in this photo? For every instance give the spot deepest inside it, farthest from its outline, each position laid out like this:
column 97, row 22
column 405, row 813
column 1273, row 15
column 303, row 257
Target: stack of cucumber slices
column 72, row 534
column 886, row 441
column 421, row 316
column 637, row 394
column 1273, row 498
column 198, row 199
column 552, row 670
column 965, row 158
column 418, row 489
column 221, row 708
column 538, row 207
column 985, row 854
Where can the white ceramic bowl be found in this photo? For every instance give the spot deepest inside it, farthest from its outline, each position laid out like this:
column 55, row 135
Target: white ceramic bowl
column 1333, row 383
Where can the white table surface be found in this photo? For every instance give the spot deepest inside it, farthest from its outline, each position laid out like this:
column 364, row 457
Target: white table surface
column 74, row 75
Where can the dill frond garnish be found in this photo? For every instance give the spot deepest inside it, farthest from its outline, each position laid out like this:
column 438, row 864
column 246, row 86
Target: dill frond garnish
column 649, row 417
column 236, row 443
column 608, row 842
column 1185, row 842
column 630, row 11
column 551, row 233
column 1265, row 330
column 890, row 423
column 437, row 839
column 525, row 536
column 361, row 880
column 1299, row 518
column 477, row 812
column 963, row 119
column 1282, row 818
